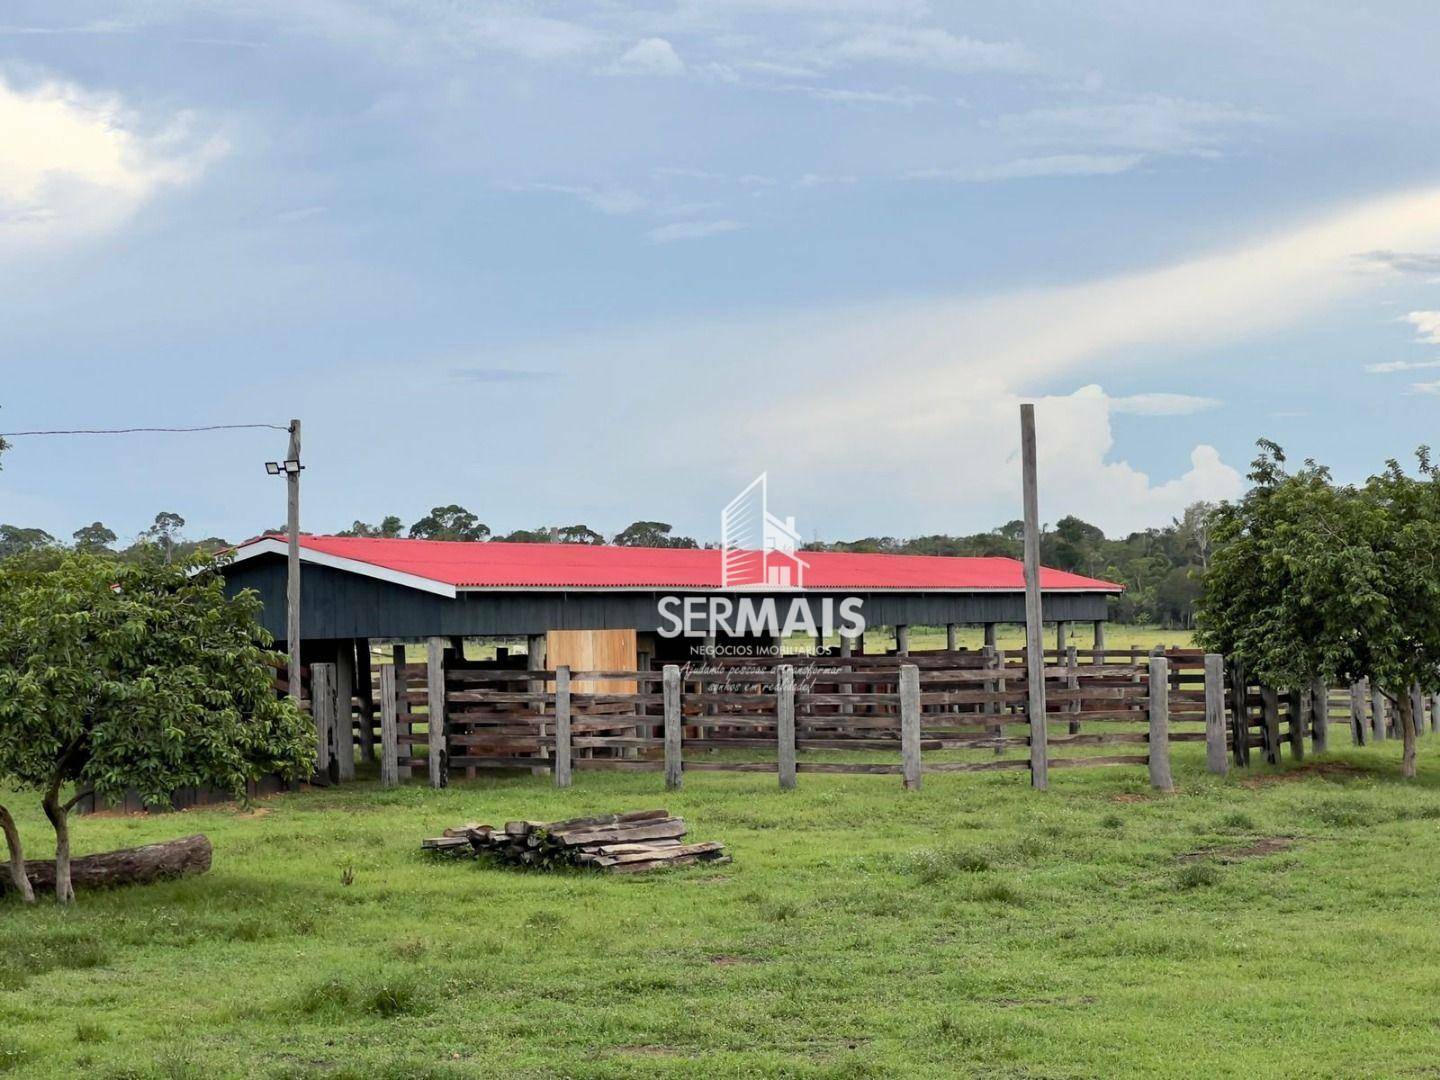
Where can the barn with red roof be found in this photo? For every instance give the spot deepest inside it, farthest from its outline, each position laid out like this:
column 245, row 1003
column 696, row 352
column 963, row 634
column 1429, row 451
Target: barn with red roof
column 358, row 588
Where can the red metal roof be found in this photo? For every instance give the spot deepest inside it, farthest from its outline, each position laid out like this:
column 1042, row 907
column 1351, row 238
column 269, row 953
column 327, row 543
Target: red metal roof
column 583, row 566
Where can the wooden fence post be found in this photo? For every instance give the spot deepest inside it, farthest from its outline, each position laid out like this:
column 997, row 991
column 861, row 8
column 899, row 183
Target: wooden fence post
column 1319, row 716
column 322, row 710
column 910, row 725
column 1034, row 615
column 1298, row 710
column 785, row 724
column 674, row 770
column 1378, row 727
column 1357, row 713
column 435, row 725
column 1216, row 759
column 1159, row 748
column 1270, row 716
column 389, row 728
column 1239, row 714
column 562, row 726
column 365, row 690
column 344, row 703
column 1072, row 682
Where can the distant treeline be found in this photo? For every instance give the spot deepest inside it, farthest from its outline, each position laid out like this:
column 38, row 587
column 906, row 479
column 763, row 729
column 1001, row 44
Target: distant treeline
column 1160, row 568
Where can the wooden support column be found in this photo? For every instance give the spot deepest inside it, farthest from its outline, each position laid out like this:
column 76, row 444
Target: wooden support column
column 1379, row 727
column 785, row 724
column 1270, row 718
column 344, row 706
column 1299, row 713
column 910, row 725
column 847, row 650
column 1098, row 643
column 992, row 635
column 405, row 724
column 365, row 690
column 389, row 727
column 1034, row 626
column 1240, row 713
column 1216, row 760
column 438, row 732
column 562, row 726
column 1319, row 716
column 322, row 709
column 1159, row 748
column 535, row 646
column 1062, row 639
column 902, row 640
column 952, row 637
column 1072, row 682
column 1357, row 713
column 674, row 769
column 998, row 708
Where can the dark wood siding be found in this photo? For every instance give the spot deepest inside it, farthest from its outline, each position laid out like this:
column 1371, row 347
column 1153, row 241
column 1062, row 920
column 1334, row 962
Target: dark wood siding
column 338, row 604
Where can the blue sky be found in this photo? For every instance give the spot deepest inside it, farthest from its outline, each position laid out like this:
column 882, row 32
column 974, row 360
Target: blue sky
column 601, row 261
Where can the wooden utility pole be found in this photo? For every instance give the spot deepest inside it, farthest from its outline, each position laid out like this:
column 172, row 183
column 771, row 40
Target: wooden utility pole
column 1034, row 640
column 292, row 577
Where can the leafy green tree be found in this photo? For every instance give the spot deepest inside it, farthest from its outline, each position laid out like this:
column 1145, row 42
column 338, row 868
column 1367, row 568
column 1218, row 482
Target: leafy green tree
column 389, row 528
column 143, row 675
column 93, row 537
column 577, row 534
column 651, row 534
column 451, row 522
column 16, row 540
column 164, row 534
column 1309, row 579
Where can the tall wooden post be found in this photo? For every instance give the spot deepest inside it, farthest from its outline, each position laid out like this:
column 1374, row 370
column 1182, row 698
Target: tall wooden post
column 674, row 768
column 1098, row 643
column 1379, row 728
column 1216, row 760
column 344, row 724
column 1270, row 718
column 1062, row 639
column 1319, row 716
column 1299, row 713
column 1034, row 626
column 1072, row 682
column 910, row 725
column 292, row 563
column 952, row 637
column 902, row 640
column 435, row 722
column 1159, row 748
column 535, row 658
column 847, row 649
column 562, row 726
column 322, row 709
column 1240, row 713
column 785, row 724
column 1357, row 713
column 389, row 727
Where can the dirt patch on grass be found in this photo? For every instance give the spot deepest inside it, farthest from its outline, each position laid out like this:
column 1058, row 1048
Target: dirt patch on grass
column 1130, row 797
column 1325, row 769
column 1230, row 853
column 731, row 960
column 648, row 1051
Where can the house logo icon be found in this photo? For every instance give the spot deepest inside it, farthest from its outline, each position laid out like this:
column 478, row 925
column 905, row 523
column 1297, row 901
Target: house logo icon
column 758, row 549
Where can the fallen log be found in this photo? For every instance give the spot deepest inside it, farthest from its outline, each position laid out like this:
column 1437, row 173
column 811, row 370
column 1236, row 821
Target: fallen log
column 128, row 866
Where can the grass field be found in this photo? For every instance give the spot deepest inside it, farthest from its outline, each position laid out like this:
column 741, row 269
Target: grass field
column 1279, row 923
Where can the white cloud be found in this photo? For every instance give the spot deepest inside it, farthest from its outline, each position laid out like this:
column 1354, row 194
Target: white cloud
column 1036, row 168
column 1162, row 404
column 931, row 47
column 74, row 164
column 606, row 200
column 905, row 99
column 1390, row 367
column 1427, row 326
column 1152, row 125
column 651, row 56
column 1403, row 262
column 1426, row 387
column 691, row 230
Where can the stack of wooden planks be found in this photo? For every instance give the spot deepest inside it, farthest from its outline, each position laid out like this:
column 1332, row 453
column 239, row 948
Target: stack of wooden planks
column 628, row 843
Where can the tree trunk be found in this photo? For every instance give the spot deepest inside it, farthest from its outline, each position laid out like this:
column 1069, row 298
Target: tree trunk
column 18, row 880
column 1407, row 727
column 128, row 866
column 60, row 818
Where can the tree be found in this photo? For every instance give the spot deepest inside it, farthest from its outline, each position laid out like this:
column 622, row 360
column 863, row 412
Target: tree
column 577, row 534
column 93, row 537
column 389, row 528
column 451, row 522
column 651, row 534
column 164, row 533
column 1309, row 579
column 143, row 675
column 16, row 540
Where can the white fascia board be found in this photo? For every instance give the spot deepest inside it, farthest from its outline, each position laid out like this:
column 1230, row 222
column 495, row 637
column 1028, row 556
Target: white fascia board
column 271, row 546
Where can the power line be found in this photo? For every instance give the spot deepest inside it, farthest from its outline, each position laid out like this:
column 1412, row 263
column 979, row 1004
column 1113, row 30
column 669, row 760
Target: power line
column 133, row 430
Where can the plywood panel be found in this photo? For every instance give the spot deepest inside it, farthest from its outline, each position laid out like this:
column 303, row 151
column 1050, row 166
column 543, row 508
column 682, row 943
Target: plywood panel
column 594, row 650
